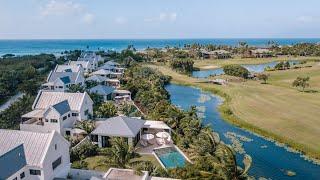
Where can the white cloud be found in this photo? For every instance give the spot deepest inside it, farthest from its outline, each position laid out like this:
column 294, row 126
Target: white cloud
column 163, row 17
column 306, row 19
column 121, row 20
column 88, row 18
column 65, row 9
column 60, row 8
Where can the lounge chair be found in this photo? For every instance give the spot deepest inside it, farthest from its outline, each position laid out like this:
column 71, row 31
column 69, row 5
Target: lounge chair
column 143, row 143
column 160, row 141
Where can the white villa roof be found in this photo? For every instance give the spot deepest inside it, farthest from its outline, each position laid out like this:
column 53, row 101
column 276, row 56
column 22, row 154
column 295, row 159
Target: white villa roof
column 97, row 78
column 65, row 77
column 261, row 51
column 49, row 98
column 120, row 126
column 102, row 72
column 156, row 125
column 67, row 68
column 120, row 91
column 35, row 144
column 82, row 63
column 124, row 174
column 37, row 113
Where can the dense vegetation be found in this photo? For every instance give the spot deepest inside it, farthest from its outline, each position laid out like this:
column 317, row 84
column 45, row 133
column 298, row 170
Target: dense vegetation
column 236, row 70
column 211, row 159
column 22, row 74
column 182, row 65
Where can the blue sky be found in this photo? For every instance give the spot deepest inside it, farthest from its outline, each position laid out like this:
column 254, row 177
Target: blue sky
column 60, row 19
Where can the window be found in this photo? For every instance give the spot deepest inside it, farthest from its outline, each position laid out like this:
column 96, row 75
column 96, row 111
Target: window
column 54, row 120
column 55, row 146
column 86, row 112
column 75, row 114
column 61, row 87
column 69, row 115
column 64, row 117
column 35, row 172
column 56, row 163
column 22, row 175
column 68, row 133
column 46, row 120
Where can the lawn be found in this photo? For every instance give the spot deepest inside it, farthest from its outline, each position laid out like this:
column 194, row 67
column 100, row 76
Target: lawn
column 276, row 109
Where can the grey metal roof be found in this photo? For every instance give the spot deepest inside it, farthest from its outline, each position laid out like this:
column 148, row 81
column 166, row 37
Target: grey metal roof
column 62, row 107
column 112, row 63
column 66, row 77
column 97, row 78
column 120, row 126
column 35, row 144
column 102, row 90
column 102, row 72
column 12, row 161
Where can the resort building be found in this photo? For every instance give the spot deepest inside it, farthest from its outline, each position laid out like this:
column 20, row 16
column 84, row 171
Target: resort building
column 57, row 111
column 61, row 81
column 115, row 83
column 132, row 129
column 112, row 66
column 92, row 58
column 121, row 96
column 261, row 53
column 87, row 67
column 105, row 91
column 216, row 54
column 33, row 155
column 107, row 74
column 68, row 68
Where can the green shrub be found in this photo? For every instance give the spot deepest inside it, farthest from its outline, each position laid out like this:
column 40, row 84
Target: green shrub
column 236, row 70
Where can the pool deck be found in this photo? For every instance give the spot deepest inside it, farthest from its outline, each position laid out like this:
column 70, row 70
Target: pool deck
column 149, row 149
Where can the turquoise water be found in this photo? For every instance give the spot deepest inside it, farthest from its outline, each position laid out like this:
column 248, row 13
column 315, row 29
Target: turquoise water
column 20, row 47
column 256, row 68
column 269, row 160
column 170, row 157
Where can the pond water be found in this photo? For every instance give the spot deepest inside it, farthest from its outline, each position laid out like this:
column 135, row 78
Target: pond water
column 256, row 68
column 269, row 160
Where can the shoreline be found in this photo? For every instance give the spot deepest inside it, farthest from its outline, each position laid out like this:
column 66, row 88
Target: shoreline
column 224, row 111
column 268, row 136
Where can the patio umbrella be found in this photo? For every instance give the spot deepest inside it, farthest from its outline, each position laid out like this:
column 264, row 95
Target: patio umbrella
column 162, row 134
column 147, row 137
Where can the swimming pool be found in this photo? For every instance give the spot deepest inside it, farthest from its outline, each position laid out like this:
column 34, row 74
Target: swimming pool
column 170, row 157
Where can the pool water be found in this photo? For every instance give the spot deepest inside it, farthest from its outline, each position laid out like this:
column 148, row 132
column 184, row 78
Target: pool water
column 170, row 157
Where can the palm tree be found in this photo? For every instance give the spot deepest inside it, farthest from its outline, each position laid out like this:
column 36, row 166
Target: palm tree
column 87, row 126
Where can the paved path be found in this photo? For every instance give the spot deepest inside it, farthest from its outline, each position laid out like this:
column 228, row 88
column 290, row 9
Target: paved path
column 10, row 101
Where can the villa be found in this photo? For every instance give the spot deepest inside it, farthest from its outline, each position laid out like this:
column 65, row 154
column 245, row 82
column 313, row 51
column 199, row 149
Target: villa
column 107, row 74
column 120, row 96
column 33, row 155
column 112, row 66
column 68, row 68
column 216, row 54
column 61, row 81
column 261, row 53
column 115, row 83
column 57, row 111
column 87, row 67
column 105, row 91
column 133, row 129
column 92, row 58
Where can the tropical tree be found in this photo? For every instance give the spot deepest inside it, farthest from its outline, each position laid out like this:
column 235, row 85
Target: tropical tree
column 301, row 82
column 236, row 70
column 87, row 125
column 119, row 154
column 74, row 88
column 106, row 110
column 263, row 77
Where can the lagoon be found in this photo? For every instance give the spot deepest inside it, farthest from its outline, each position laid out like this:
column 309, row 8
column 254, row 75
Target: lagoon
column 255, row 68
column 269, row 159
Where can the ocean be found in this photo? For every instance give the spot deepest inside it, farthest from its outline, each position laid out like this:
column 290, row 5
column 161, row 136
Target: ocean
column 22, row 47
